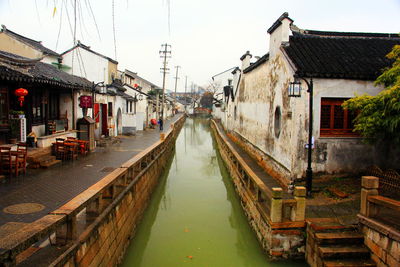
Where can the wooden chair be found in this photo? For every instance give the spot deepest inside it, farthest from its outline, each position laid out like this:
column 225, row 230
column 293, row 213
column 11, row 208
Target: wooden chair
column 20, row 162
column 59, row 149
column 5, row 160
column 71, row 150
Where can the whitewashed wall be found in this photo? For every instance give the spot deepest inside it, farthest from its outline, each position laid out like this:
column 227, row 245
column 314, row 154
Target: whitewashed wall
column 86, row 64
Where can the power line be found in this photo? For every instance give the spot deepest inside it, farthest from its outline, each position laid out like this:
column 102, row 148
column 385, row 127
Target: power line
column 87, row 2
column 113, row 21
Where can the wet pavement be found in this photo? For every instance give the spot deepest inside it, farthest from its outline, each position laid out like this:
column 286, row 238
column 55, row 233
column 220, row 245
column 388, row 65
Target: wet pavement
column 48, row 189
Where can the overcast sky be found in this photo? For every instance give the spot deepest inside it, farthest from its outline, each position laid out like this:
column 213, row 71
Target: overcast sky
column 207, row 36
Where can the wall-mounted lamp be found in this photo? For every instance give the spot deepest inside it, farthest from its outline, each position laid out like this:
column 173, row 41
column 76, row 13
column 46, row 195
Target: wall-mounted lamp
column 294, row 89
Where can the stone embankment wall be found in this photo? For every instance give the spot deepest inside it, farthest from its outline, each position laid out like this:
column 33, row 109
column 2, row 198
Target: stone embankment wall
column 377, row 225
column 277, row 220
column 94, row 228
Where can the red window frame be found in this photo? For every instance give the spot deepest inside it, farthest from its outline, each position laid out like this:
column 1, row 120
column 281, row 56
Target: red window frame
column 335, row 121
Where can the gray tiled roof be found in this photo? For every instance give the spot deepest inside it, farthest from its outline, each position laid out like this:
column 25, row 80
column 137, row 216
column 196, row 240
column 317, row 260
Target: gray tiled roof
column 340, row 55
column 24, row 69
column 35, row 44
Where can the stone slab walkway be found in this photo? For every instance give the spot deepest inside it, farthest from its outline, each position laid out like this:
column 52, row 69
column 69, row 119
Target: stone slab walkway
column 48, row 189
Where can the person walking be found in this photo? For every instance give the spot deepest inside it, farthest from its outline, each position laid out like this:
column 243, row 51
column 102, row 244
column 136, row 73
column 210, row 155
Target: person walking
column 161, row 123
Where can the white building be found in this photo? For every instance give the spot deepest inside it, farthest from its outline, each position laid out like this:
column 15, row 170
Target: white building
column 84, row 62
column 274, row 126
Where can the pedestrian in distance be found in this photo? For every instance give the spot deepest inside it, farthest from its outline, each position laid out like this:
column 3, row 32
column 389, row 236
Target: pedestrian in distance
column 161, row 124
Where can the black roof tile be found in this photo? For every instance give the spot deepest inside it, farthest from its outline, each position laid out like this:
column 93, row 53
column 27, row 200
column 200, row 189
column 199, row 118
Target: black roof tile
column 340, row 55
column 21, row 68
column 35, row 44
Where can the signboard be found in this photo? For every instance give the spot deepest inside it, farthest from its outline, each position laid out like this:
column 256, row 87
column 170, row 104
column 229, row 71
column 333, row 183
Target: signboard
column 85, row 101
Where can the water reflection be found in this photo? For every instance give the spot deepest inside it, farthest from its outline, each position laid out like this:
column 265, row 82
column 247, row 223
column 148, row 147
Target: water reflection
column 195, row 216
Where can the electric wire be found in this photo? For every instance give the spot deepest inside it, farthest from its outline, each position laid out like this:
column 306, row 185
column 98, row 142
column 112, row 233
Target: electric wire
column 37, row 13
column 87, row 2
column 113, row 23
column 59, row 28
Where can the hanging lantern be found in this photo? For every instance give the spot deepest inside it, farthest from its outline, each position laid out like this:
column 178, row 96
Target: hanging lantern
column 136, row 85
column 21, row 93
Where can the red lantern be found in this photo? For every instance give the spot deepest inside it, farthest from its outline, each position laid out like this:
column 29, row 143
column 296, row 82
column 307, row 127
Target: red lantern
column 21, row 93
column 136, row 85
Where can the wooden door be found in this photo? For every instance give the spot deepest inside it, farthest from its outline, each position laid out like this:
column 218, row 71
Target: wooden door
column 104, row 113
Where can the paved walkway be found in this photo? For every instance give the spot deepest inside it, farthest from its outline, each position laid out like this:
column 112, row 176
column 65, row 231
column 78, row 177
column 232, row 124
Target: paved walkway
column 51, row 188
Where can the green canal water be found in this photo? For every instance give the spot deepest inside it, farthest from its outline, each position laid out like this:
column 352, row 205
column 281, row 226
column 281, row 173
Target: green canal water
column 195, row 217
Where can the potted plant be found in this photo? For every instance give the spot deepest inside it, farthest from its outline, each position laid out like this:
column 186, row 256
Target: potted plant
column 16, row 114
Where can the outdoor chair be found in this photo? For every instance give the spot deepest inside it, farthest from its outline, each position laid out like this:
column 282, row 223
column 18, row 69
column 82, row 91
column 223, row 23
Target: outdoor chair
column 60, row 149
column 5, row 160
column 20, row 159
column 71, row 150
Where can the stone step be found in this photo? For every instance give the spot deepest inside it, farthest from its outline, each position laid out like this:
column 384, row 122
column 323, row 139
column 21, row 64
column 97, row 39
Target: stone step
column 349, row 263
column 344, row 252
column 348, row 238
column 331, row 226
column 49, row 163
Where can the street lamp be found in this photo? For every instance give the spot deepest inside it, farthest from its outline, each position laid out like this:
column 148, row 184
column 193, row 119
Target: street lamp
column 295, row 91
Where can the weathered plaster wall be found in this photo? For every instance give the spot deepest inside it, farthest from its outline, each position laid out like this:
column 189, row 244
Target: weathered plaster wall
column 261, row 92
column 333, row 154
column 14, row 46
column 86, row 64
column 281, row 150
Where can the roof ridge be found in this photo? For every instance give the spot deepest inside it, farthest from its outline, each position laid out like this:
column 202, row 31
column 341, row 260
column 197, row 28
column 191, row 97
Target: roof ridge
column 348, row 34
column 86, row 47
column 30, row 42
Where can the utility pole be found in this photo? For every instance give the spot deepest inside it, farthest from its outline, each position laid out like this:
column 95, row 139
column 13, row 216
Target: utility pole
column 185, row 93
column 176, row 81
column 164, row 54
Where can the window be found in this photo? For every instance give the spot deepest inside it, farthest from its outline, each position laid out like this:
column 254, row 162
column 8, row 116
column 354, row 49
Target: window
column 336, row 121
column 127, row 105
column 277, row 121
column 110, row 111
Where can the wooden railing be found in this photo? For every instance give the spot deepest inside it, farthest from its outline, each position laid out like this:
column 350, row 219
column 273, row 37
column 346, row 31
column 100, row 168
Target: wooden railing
column 74, row 222
column 269, row 201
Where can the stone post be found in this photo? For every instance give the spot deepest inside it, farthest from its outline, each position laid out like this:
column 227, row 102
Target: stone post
column 162, row 136
column 276, row 205
column 67, row 231
column 299, row 212
column 370, row 186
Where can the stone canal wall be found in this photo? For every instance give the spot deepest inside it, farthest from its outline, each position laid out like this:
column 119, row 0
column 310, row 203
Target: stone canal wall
column 278, row 220
column 95, row 227
column 378, row 219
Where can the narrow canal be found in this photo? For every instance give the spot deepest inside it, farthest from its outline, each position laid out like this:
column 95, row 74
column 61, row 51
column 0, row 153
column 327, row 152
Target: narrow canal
column 195, row 217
